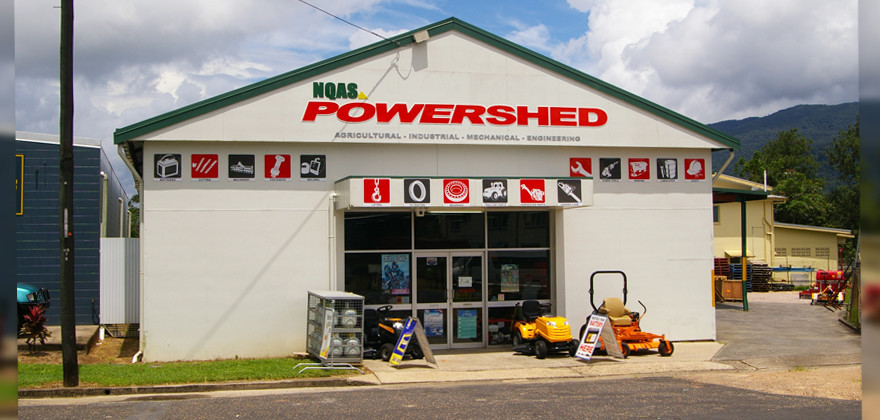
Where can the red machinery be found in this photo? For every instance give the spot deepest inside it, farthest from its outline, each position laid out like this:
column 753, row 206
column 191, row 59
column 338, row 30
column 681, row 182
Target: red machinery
column 828, row 284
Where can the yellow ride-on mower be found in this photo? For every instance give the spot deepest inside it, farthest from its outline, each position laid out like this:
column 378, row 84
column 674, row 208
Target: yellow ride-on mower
column 540, row 334
column 625, row 323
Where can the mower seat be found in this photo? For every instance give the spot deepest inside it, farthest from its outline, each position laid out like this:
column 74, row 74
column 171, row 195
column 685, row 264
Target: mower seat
column 531, row 309
column 615, row 311
column 371, row 319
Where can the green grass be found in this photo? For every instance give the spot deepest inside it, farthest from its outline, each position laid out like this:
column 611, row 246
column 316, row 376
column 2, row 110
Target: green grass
column 140, row 374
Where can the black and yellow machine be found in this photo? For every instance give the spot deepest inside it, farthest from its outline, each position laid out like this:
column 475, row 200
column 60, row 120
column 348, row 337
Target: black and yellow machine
column 535, row 332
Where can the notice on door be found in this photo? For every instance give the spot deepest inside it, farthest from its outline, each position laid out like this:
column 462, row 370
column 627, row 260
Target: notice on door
column 467, row 323
column 434, row 323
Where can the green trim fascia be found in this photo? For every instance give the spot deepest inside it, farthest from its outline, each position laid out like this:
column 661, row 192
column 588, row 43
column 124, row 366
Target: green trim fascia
column 749, row 194
column 212, row 104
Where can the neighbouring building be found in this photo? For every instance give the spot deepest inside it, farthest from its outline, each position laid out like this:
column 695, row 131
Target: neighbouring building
column 779, row 245
column 100, row 210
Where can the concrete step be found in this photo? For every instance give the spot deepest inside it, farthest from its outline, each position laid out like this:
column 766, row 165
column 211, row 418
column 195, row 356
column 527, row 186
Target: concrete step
column 86, row 337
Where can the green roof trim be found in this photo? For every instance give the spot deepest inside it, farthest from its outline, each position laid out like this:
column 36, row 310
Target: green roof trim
column 121, row 135
column 732, row 195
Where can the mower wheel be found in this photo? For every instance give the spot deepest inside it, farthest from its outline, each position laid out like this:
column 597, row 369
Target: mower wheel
column 517, row 338
column 625, row 349
column 666, row 348
column 385, row 351
column 573, row 347
column 583, row 329
column 540, row 349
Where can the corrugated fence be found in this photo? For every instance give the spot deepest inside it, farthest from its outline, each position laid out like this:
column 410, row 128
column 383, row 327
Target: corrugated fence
column 120, row 291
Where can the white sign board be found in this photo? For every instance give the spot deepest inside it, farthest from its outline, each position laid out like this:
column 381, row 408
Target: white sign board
column 598, row 327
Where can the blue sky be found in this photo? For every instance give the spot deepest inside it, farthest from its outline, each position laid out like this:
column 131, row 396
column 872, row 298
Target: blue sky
column 710, row 60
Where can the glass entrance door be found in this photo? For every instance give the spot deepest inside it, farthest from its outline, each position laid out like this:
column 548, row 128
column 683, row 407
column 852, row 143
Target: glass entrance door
column 449, row 290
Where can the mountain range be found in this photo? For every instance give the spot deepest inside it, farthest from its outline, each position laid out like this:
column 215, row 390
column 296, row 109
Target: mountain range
column 819, row 123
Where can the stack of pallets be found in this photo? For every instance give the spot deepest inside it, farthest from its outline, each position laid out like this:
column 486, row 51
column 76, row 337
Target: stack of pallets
column 722, row 267
column 758, row 276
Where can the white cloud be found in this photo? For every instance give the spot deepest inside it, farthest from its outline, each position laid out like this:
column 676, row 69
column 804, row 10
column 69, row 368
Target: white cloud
column 536, row 37
column 582, row 5
column 363, row 38
column 723, row 59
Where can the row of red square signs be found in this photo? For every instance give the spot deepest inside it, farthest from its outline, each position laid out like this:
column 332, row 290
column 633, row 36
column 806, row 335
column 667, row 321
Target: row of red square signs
column 207, row 166
column 667, row 169
column 494, row 191
column 279, row 166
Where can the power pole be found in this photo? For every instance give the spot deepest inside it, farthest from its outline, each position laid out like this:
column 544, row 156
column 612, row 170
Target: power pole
column 68, row 321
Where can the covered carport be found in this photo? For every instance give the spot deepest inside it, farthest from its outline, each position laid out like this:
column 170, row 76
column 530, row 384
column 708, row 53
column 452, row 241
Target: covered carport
column 729, row 195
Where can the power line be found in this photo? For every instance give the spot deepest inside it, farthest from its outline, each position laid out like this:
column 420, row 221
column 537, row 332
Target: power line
column 343, row 20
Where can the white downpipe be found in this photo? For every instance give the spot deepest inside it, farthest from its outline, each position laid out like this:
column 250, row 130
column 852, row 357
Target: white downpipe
column 331, row 236
column 122, row 212
column 104, row 205
column 139, row 182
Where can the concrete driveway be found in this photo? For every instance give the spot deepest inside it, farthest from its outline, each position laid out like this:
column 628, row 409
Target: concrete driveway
column 779, row 327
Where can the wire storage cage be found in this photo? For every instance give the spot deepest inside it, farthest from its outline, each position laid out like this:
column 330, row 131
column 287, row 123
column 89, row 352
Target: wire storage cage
column 335, row 328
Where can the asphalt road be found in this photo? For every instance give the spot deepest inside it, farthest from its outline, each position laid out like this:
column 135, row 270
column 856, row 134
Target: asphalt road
column 649, row 397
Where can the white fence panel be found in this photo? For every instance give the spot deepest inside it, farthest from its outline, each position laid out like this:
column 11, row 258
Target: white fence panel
column 120, row 291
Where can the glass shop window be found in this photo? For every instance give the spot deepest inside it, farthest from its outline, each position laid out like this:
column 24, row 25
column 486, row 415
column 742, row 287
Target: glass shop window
column 519, row 230
column 450, row 231
column 518, row 275
column 385, row 230
column 381, row 278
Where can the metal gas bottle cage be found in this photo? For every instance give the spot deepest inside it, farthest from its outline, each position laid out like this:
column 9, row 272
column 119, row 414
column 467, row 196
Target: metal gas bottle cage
column 335, row 331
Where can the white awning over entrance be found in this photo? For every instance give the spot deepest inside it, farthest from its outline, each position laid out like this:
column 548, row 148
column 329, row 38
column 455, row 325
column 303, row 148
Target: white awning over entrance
column 371, row 192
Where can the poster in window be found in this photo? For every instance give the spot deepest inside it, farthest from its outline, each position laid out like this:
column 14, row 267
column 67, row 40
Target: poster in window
column 509, row 278
column 434, row 323
column 395, row 273
column 467, row 323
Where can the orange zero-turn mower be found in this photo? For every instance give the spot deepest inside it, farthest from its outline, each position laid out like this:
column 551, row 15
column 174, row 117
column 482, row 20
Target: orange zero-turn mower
column 540, row 334
column 625, row 323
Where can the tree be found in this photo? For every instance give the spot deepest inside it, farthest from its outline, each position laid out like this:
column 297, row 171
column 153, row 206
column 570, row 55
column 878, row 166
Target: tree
column 134, row 209
column 789, row 152
column 792, row 170
column 843, row 155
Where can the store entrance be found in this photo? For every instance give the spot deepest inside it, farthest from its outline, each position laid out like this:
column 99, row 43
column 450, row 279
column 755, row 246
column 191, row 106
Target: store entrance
column 449, row 290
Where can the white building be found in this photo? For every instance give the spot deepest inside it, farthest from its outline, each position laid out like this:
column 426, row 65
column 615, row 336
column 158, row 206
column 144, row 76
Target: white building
column 467, row 171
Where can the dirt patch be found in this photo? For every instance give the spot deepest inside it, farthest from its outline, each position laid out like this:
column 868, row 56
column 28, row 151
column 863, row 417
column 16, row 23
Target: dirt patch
column 110, row 351
column 837, row 382
column 777, row 297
